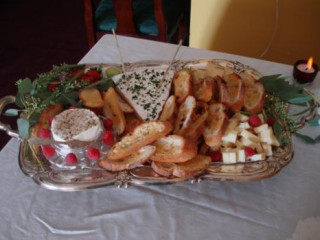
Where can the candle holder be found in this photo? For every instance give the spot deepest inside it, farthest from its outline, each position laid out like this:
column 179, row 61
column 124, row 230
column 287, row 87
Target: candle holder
column 303, row 75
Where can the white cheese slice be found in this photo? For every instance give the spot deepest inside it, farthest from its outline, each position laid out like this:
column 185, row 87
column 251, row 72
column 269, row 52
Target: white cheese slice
column 146, row 90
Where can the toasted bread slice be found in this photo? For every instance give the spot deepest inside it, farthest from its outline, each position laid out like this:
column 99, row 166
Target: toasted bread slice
column 131, row 124
column 134, row 160
column 203, row 90
column 182, row 170
column 236, row 91
column 174, row 148
column 182, row 85
column 185, row 114
column 91, row 97
column 214, row 70
column 142, row 135
column 254, row 98
column 112, row 109
column 199, row 117
column 169, row 110
column 215, row 125
column 198, row 75
column 247, row 79
column 126, row 108
column 222, row 91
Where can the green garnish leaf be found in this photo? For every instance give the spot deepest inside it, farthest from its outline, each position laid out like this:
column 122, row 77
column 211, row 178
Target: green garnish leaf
column 279, row 87
column 24, row 85
column 317, row 139
column 306, row 138
column 23, row 128
column 314, row 122
column 11, row 112
column 69, row 99
column 34, row 117
column 277, row 129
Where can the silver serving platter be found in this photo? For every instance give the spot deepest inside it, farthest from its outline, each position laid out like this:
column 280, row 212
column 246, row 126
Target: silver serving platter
column 51, row 177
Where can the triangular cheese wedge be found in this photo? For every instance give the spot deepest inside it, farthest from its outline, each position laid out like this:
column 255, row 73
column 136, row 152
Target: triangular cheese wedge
column 146, row 90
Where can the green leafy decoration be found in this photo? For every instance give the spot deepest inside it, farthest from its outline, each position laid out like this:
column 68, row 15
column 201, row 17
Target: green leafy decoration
column 11, row 112
column 279, row 87
column 306, row 138
column 24, row 85
column 23, row 128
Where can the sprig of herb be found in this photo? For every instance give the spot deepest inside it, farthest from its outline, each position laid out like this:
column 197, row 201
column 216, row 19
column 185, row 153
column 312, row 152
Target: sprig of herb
column 34, row 96
column 279, row 93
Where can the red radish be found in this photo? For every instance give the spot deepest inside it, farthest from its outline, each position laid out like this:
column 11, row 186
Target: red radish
column 107, row 137
column 48, row 151
column 53, row 86
column 71, row 159
column 93, row 153
column 216, row 156
column 44, row 133
column 108, row 123
column 271, row 122
column 249, row 151
column 254, row 121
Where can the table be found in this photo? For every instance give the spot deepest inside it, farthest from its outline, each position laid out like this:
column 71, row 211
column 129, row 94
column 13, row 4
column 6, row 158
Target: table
column 268, row 209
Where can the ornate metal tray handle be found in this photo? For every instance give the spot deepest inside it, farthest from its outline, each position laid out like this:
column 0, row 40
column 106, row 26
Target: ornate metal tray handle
column 6, row 127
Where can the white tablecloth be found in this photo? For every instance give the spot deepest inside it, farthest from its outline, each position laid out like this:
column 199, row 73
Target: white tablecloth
column 267, row 209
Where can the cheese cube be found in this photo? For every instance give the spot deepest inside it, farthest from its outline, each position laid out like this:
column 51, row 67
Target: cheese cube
column 259, row 148
column 247, row 142
column 230, row 137
column 267, row 149
column 241, row 156
column 241, row 117
column 266, row 136
column 229, row 157
column 244, row 125
column 248, row 135
column 257, row 157
column 261, row 128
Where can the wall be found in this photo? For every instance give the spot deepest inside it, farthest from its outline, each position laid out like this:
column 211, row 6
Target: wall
column 253, row 28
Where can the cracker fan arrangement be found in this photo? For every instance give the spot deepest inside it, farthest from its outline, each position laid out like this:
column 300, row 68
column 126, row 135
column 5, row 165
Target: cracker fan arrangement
column 155, row 123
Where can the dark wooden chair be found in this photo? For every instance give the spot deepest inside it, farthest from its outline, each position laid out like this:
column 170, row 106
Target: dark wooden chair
column 170, row 17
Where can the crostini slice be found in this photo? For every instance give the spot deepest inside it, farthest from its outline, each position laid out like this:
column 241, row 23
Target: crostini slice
column 216, row 124
column 236, row 91
column 254, row 98
column 182, row 170
column 132, row 161
column 182, row 85
column 174, row 148
column 142, row 135
column 113, row 110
